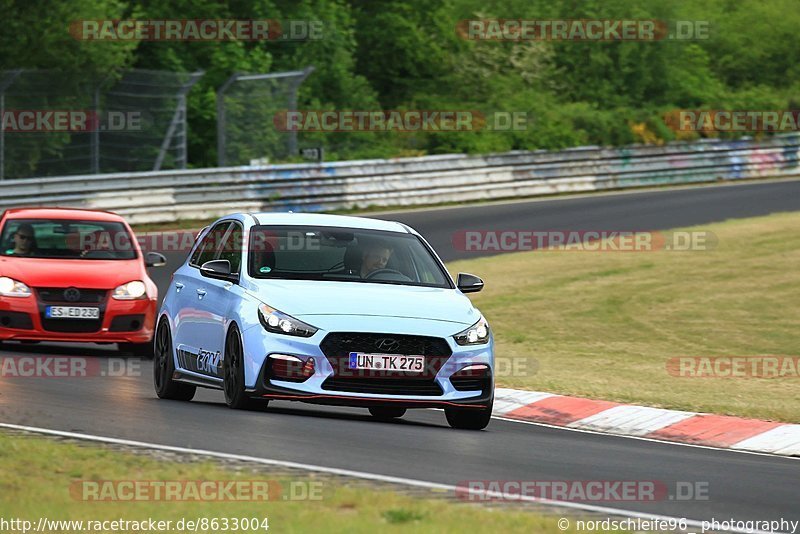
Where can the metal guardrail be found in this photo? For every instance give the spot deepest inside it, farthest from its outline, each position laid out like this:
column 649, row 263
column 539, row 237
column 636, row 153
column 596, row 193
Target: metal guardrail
column 167, row 196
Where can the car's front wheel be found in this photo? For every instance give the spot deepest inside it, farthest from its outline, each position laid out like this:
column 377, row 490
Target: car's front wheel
column 164, row 368
column 469, row 418
column 233, row 373
column 387, row 413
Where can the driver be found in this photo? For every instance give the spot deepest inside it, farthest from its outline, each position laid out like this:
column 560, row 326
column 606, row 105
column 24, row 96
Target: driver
column 24, row 241
column 375, row 258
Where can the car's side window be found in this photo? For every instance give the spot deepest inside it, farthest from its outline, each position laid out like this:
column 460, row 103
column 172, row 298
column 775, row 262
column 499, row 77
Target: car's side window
column 232, row 248
column 209, row 246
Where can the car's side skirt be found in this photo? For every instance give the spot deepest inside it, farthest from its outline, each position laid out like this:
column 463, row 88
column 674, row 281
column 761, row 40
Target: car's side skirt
column 209, row 383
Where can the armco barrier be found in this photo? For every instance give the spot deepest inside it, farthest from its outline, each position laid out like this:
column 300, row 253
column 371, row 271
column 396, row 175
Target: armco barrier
column 203, row 193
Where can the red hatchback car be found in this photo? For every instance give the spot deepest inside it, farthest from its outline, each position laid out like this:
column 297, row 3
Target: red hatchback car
column 75, row 275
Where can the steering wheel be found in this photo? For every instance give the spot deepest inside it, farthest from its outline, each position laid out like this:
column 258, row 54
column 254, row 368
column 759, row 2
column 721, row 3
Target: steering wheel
column 379, row 272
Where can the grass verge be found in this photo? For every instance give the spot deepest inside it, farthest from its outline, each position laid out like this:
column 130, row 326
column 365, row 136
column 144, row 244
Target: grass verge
column 605, row 324
column 41, row 477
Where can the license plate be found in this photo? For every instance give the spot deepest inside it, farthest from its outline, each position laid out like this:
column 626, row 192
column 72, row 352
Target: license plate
column 386, row 362
column 71, row 312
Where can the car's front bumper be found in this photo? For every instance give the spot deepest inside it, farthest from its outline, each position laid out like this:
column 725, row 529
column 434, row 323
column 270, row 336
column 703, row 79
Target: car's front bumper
column 317, row 389
column 122, row 321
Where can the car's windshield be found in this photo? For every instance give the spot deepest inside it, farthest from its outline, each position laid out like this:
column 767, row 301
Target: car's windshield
column 343, row 254
column 66, row 239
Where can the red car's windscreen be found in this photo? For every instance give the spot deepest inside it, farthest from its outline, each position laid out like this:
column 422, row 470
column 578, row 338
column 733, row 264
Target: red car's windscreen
column 66, row 239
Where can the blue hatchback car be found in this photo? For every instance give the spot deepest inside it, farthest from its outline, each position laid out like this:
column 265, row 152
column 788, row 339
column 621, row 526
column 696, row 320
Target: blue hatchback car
column 324, row 309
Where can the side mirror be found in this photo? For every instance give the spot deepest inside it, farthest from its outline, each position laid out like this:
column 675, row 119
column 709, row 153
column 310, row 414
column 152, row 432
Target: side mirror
column 219, row 269
column 154, row 259
column 469, row 283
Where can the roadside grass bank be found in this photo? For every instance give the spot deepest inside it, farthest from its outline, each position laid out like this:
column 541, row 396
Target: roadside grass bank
column 607, row 324
column 59, row 480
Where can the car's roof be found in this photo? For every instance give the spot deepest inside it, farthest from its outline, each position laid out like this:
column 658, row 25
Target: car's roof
column 62, row 213
column 319, row 219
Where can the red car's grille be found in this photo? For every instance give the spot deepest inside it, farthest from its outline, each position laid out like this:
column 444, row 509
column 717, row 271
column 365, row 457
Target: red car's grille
column 71, row 295
column 76, row 326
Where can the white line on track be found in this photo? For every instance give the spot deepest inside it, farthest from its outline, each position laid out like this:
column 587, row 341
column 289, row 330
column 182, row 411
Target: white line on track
column 362, row 475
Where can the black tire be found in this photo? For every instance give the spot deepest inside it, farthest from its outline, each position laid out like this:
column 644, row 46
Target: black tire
column 469, row 418
column 142, row 350
column 233, row 373
column 387, row 413
column 164, row 368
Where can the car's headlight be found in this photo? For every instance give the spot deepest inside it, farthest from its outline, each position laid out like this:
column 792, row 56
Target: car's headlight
column 279, row 323
column 130, row 291
column 13, row 288
column 477, row 334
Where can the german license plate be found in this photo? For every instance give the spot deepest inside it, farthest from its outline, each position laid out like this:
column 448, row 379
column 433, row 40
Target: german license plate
column 386, row 362
column 71, row 312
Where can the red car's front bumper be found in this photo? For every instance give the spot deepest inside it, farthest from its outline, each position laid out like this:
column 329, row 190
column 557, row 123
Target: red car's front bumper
column 121, row 321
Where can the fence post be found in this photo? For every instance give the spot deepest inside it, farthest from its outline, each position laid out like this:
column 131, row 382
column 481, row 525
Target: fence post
column 94, row 143
column 293, row 106
column 179, row 117
column 298, row 77
column 6, row 83
column 221, row 118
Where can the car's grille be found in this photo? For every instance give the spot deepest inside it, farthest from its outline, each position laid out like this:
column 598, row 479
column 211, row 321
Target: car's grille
column 337, row 347
column 84, row 296
column 70, row 296
column 337, row 344
column 78, row 326
column 383, row 386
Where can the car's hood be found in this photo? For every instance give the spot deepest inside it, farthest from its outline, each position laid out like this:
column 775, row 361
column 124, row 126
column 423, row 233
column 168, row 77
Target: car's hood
column 301, row 298
column 90, row 274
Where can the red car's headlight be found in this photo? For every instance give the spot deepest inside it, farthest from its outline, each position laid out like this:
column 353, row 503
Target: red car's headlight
column 130, row 291
column 13, row 288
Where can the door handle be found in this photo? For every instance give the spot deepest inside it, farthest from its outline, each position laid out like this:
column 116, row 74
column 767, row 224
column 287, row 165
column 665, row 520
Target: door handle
column 201, row 293
column 178, row 287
